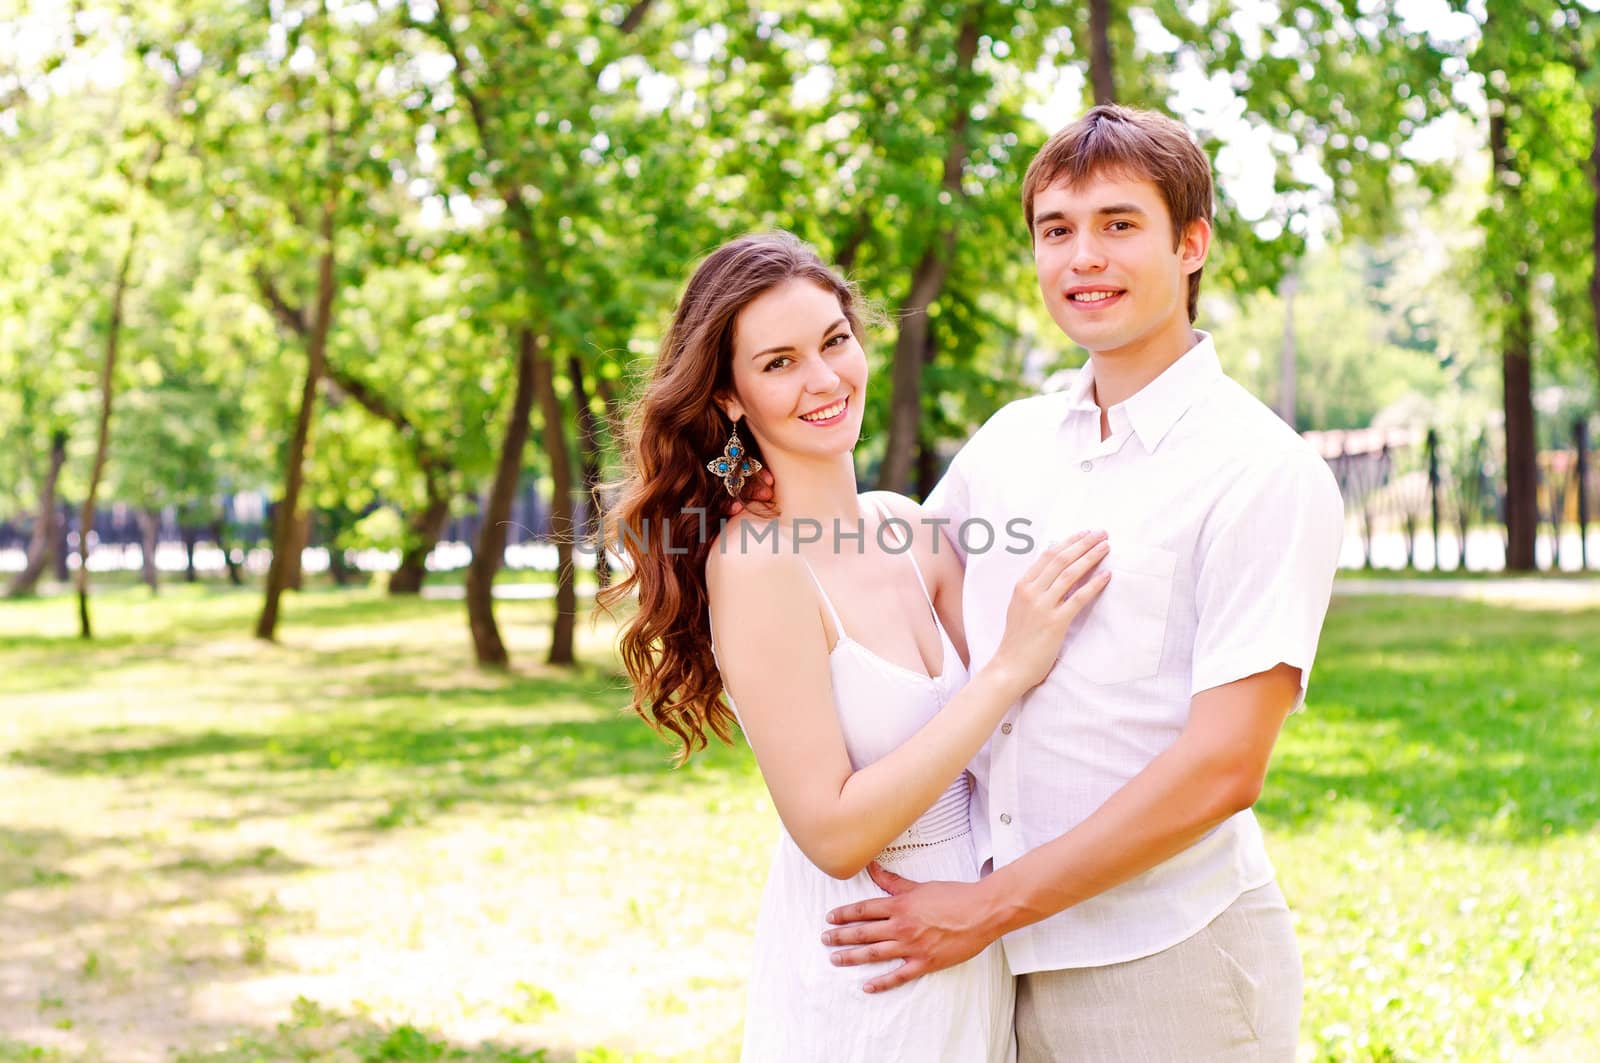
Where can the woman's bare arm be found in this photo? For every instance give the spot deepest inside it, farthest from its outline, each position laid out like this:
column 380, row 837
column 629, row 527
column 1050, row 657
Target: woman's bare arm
column 774, row 658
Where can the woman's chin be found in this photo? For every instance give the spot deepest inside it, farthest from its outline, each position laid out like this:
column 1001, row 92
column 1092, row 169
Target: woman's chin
column 823, row 446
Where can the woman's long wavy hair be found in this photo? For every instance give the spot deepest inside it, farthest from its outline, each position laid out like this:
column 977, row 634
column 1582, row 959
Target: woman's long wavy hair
column 669, row 505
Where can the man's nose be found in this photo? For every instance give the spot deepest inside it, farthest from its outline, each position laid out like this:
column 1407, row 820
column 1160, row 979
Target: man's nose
column 1087, row 255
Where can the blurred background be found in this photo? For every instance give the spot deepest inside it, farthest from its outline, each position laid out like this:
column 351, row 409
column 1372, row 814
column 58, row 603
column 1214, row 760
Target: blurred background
column 319, row 323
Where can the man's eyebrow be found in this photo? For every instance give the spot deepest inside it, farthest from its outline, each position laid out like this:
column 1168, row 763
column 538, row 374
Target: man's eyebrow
column 786, row 347
column 1114, row 208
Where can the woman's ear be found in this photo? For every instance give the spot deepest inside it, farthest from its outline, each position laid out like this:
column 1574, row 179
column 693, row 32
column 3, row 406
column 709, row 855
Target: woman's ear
column 730, row 407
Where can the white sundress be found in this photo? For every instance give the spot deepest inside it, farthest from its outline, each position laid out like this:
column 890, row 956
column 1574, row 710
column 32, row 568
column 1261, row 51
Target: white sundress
column 800, row 1007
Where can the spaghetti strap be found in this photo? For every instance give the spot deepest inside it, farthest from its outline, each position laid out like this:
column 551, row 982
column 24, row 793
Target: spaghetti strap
column 838, row 625
column 884, row 516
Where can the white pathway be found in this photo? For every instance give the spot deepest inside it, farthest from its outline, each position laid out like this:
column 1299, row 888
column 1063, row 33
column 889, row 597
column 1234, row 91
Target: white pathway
column 1569, row 593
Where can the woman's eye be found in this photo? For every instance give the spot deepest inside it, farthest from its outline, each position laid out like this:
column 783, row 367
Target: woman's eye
column 834, row 341
column 778, row 362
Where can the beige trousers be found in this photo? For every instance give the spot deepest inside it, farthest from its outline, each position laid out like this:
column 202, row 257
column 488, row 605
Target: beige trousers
column 1230, row 993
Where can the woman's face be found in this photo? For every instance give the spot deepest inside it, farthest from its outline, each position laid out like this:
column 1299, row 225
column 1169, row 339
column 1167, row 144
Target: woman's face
column 799, row 373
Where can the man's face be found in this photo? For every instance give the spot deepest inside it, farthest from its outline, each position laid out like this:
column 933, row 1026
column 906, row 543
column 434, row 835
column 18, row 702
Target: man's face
column 1111, row 278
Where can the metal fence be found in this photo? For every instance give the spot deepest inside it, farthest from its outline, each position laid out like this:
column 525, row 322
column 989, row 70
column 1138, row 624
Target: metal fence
column 1423, row 499
column 1414, row 499
column 117, row 541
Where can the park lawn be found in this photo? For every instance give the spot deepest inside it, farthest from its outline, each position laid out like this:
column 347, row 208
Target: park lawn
column 353, row 845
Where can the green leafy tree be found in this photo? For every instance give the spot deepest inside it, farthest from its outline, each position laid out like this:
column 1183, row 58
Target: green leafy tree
column 583, row 178
column 297, row 123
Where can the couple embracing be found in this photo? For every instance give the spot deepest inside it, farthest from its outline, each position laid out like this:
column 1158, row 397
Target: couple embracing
column 1014, row 733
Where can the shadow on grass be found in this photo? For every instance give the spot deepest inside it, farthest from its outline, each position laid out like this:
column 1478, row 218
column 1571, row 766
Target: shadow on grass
column 1458, row 718
column 32, row 859
column 335, row 609
column 35, row 859
column 132, row 613
column 313, row 1032
column 530, row 739
column 212, row 625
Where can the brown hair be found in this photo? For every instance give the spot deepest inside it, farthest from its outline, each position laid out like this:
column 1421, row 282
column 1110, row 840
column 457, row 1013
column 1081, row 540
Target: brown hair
column 1136, row 143
column 668, row 501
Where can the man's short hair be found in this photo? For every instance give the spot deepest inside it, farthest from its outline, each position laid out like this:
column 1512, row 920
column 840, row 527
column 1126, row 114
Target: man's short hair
column 1140, row 144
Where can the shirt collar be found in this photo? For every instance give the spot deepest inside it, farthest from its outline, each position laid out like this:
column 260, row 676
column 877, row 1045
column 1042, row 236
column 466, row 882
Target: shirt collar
column 1155, row 408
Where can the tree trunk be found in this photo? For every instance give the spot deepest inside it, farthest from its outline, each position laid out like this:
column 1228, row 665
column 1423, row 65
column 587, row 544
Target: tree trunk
column 905, row 397
column 1594, row 262
column 562, row 526
column 45, row 533
column 294, row 577
column 905, row 388
column 611, row 406
column 844, row 257
column 63, row 545
column 108, row 368
column 284, row 530
column 424, row 528
column 1101, row 78
column 489, row 550
column 927, row 446
column 338, row 564
column 1516, row 366
column 219, row 532
column 149, row 523
column 589, row 451
column 1522, row 469
column 190, row 535
column 927, row 467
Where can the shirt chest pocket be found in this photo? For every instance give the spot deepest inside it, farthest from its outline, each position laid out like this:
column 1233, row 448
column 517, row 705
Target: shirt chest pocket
column 1120, row 638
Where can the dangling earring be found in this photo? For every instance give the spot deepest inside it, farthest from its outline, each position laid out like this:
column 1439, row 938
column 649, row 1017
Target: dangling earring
column 734, row 466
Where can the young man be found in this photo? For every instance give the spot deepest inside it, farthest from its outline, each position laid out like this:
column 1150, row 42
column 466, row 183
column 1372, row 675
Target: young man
column 1130, row 887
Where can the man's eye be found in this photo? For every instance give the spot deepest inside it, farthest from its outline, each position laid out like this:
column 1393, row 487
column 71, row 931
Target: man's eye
column 1122, row 226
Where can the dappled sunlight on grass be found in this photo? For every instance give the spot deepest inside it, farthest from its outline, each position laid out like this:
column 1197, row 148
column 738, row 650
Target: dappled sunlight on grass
column 1466, row 722
column 212, row 827
column 1433, row 820
column 354, row 844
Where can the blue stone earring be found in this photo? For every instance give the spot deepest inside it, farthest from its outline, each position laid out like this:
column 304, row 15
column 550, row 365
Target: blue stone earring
column 734, row 466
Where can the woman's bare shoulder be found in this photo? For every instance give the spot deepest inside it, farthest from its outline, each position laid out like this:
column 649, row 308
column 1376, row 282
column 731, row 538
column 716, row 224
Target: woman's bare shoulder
column 909, row 510
column 750, row 548
column 938, row 558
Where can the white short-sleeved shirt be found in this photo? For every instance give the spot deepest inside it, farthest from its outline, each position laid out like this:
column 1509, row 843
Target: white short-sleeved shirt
column 1225, row 530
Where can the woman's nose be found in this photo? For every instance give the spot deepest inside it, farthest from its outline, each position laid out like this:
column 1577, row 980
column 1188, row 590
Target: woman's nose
column 821, row 378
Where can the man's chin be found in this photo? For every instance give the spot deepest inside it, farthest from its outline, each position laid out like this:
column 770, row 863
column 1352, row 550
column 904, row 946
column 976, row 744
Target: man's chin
column 1095, row 341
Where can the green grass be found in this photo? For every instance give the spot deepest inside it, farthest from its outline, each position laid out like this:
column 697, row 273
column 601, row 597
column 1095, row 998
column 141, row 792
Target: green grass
column 353, row 845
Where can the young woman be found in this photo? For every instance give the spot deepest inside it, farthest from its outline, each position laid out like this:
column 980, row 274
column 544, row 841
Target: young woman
column 834, row 620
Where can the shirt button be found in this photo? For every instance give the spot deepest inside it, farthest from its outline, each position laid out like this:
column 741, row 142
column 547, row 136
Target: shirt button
column 1005, row 728
column 1005, row 817
column 1087, row 466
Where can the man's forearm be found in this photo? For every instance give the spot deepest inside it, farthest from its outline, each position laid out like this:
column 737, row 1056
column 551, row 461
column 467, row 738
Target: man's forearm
column 1180, row 796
